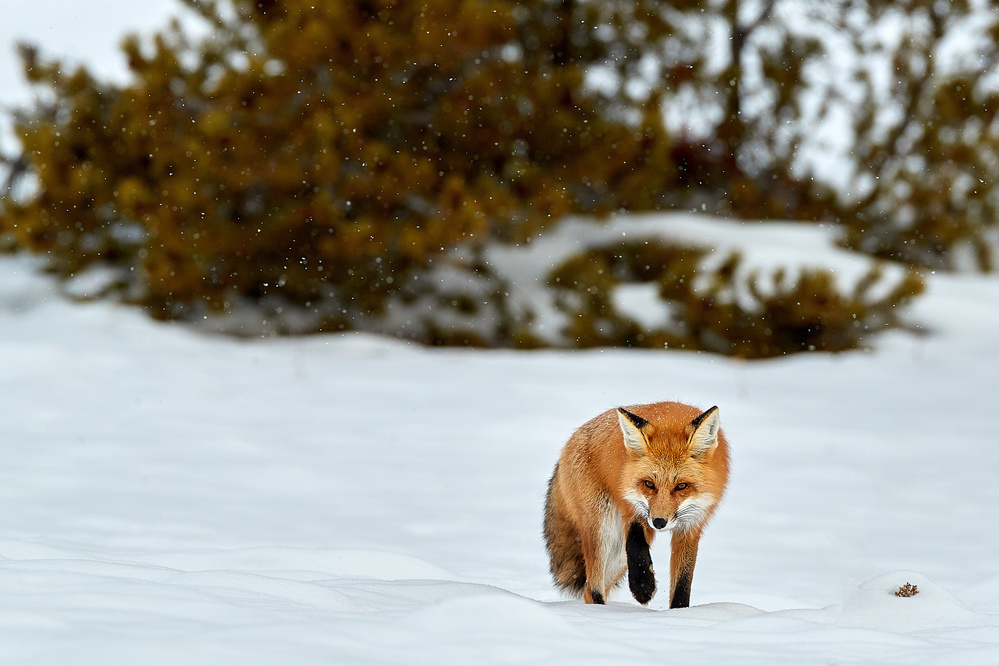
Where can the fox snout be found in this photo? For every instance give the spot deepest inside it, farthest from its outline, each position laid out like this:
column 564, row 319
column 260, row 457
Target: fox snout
column 659, row 523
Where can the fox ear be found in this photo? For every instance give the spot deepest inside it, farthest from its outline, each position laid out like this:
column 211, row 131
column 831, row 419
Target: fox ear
column 703, row 433
column 635, row 430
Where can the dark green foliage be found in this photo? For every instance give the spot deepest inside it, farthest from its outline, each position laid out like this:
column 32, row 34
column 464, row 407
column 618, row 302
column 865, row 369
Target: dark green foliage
column 737, row 73
column 918, row 163
column 724, row 310
column 804, row 314
column 322, row 153
column 585, row 286
column 929, row 173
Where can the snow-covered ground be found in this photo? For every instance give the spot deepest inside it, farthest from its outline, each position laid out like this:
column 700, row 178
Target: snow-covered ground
column 174, row 497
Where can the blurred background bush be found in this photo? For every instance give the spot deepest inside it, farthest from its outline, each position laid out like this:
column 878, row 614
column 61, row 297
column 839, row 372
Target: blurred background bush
column 312, row 164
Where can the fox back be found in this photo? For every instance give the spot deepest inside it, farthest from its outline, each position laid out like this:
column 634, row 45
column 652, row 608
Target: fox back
column 624, row 476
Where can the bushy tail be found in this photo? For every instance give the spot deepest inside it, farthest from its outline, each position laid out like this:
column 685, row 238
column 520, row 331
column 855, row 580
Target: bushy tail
column 562, row 541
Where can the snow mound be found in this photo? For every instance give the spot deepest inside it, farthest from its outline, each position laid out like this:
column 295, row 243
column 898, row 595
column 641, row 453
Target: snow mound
column 874, row 605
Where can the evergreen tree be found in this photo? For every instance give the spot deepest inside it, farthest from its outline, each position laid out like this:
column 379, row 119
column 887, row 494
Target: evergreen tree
column 325, row 152
column 926, row 140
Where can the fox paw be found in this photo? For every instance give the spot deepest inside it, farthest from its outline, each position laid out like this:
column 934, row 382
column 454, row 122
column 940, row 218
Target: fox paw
column 642, row 588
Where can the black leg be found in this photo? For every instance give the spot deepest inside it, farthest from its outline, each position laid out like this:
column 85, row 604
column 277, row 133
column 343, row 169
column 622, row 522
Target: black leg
column 597, row 597
column 681, row 595
column 641, row 577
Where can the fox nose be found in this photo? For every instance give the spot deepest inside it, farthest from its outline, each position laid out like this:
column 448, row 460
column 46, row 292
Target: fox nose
column 659, row 523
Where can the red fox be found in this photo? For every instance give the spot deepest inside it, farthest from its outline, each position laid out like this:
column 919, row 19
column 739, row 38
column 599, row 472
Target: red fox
column 622, row 477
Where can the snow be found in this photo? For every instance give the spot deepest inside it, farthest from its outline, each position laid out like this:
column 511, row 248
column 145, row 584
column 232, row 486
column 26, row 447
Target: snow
column 171, row 496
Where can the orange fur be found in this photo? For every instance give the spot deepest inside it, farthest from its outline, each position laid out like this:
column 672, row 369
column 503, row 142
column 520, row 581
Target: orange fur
column 599, row 489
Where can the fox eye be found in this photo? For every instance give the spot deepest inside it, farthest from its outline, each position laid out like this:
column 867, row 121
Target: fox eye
column 650, row 485
column 681, row 486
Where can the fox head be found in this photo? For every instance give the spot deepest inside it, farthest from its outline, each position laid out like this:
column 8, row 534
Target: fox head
column 672, row 477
